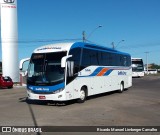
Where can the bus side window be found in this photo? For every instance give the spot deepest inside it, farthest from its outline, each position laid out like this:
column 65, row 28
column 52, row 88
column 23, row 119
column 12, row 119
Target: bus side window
column 129, row 61
column 86, row 59
column 76, row 53
column 73, row 64
column 125, row 61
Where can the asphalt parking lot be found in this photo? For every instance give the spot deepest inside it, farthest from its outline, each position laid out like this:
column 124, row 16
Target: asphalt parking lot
column 137, row 106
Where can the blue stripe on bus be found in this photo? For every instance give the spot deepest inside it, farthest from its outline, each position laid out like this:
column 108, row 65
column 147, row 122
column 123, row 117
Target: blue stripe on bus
column 98, row 70
column 46, row 88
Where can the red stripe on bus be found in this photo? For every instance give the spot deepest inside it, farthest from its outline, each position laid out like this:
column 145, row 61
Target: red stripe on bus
column 102, row 72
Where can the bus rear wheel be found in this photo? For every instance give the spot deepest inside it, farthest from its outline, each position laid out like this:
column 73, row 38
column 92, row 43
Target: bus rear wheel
column 82, row 97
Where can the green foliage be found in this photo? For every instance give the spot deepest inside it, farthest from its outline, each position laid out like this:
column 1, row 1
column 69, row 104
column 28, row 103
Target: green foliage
column 155, row 66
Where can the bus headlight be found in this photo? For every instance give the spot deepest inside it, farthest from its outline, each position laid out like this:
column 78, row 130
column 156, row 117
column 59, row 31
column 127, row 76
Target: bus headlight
column 29, row 90
column 57, row 91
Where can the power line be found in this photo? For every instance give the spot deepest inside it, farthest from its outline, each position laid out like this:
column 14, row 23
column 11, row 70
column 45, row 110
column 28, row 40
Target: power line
column 41, row 41
column 140, row 45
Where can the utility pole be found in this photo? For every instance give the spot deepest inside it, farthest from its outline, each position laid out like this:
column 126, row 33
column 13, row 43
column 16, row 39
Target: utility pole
column 147, row 61
column 84, row 36
column 113, row 45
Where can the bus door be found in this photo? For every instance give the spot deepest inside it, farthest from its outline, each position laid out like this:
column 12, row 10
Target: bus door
column 70, row 79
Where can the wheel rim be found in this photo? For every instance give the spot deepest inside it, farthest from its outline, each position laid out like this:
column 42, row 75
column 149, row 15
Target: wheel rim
column 82, row 96
column 121, row 87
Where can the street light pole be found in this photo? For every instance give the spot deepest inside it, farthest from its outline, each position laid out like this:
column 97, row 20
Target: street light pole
column 119, row 43
column 94, row 31
column 113, row 45
column 147, row 61
column 84, row 34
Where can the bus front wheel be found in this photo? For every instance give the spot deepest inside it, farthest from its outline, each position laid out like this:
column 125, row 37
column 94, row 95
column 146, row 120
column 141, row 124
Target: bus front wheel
column 121, row 87
column 82, row 97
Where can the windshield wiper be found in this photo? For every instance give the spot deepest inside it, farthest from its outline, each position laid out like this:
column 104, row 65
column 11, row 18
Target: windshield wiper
column 42, row 83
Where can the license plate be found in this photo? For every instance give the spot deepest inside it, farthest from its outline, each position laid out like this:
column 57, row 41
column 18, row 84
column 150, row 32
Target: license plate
column 42, row 97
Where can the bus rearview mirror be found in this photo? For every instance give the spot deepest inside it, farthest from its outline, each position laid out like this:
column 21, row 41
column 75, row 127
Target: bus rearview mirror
column 64, row 59
column 70, row 70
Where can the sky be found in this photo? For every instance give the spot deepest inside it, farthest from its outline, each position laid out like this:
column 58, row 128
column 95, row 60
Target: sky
column 136, row 22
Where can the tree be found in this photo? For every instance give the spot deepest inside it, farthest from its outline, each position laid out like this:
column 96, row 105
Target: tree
column 155, row 66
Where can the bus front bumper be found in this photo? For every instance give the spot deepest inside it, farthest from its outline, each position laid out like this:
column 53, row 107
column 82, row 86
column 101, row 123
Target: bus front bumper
column 55, row 97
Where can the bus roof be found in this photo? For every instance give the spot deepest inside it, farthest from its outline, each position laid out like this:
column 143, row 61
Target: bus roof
column 58, row 47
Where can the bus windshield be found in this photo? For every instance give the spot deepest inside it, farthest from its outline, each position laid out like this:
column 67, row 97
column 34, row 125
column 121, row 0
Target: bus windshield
column 137, row 65
column 137, row 69
column 45, row 69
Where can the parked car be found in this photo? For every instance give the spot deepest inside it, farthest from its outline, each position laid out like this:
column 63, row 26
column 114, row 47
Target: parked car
column 6, row 82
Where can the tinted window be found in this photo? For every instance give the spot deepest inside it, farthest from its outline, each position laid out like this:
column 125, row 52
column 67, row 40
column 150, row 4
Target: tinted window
column 90, row 58
column 76, row 54
column 100, row 58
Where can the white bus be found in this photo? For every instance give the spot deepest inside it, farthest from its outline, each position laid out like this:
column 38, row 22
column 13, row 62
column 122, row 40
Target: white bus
column 66, row 71
column 137, row 67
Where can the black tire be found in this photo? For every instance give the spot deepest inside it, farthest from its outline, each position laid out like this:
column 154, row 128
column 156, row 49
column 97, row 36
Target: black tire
column 83, row 95
column 10, row 87
column 121, row 87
